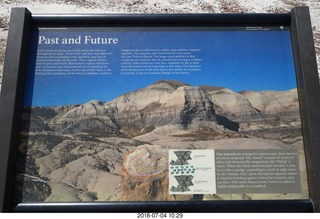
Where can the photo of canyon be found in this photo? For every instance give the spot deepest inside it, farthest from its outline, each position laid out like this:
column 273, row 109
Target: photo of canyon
column 118, row 150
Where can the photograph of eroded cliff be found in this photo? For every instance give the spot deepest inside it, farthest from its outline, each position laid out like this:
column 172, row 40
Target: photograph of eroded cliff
column 118, row 150
column 100, row 121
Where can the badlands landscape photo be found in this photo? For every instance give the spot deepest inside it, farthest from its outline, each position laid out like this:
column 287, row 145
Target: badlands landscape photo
column 117, row 150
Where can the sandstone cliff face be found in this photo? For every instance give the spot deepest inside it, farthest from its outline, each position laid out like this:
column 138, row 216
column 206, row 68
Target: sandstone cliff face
column 235, row 104
column 166, row 103
column 138, row 112
column 274, row 102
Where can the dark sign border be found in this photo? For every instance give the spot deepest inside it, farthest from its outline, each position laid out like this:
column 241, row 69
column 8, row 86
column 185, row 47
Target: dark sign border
column 21, row 24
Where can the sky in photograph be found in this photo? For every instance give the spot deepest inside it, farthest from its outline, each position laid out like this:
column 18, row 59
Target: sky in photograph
column 238, row 60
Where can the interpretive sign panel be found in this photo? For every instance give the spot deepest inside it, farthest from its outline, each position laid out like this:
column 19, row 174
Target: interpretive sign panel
column 160, row 113
column 95, row 97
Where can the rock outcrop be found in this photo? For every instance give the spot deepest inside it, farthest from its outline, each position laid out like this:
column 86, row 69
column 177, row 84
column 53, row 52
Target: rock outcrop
column 235, row 104
column 145, row 174
column 166, row 103
column 111, row 151
column 87, row 168
column 137, row 112
column 276, row 103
